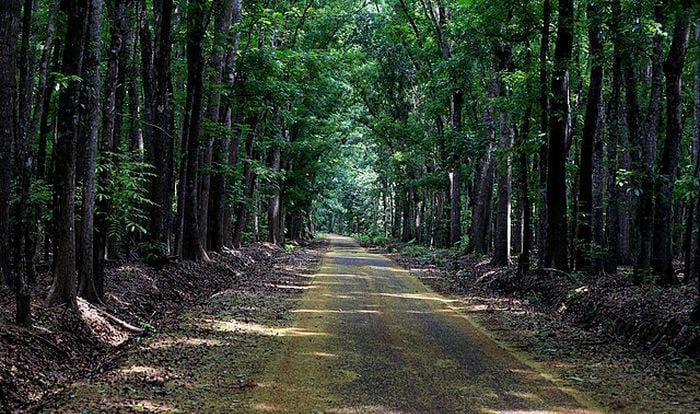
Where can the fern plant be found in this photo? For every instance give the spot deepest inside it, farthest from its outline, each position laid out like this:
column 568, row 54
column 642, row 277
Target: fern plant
column 123, row 188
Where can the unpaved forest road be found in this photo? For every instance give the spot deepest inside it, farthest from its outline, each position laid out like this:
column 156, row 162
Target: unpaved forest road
column 369, row 337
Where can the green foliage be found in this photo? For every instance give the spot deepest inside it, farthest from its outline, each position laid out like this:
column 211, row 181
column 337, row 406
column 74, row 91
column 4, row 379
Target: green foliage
column 123, row 187
column 426, row 255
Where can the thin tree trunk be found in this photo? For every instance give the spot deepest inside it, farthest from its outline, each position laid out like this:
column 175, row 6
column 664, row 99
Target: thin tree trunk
column 502, row 236
column 63, row 288
column 662, row 256
column 222, row 11
column 192, row 248
column 209, row 198
column 544, row 129
column 584, row 233
column 88, row 137
column 558, row 137
column 274, row 203
column 646, row 147
column 521, row 138
column 119, row 30
column 455, row 174
column 9, row 29
column 694, row 270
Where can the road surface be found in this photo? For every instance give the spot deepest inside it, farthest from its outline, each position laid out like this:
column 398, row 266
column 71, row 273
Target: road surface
column 369, row 337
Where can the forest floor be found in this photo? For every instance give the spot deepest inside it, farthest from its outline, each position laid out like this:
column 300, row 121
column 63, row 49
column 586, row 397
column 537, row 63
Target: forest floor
column 76, row 362
column 364, row 333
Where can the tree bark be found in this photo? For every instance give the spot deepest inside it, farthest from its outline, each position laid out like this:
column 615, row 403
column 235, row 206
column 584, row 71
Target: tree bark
column 544, row 129
column 115, row 65
column 455, row 174
column 63, row 288
column 646, row 147
column 525, row 206
column 584, row 234
column 694, row 270
column 557, row 251
column 9, row 30
column 88, row 144
column 662, row 255
column 502, row 236
column 222, row 11
column 192, row 248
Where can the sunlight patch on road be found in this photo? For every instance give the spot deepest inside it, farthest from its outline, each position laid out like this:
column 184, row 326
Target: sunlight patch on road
column 416, row 296
column 143, row 369
column 335, row 311
column 170, row 342
column 296, row 287
column 154, row 407
column 319, row 354
column 258, row 329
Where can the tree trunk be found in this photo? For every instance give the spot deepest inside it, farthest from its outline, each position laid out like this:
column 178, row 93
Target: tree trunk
column 15, row 278
column 248, row 188
column 88, row 144
column 119, row 30
column 482, row 214
column 662, row 256
column 557, row 251
column 646, row 147
column 694, row 269
column 274, row 203
column 63, row 289
column 521, row 138
column 502, row 236
column 455, row 174
column 544, row 129
column 223, row 13
column 584, row 234
column 192, row 248
column 26, row 72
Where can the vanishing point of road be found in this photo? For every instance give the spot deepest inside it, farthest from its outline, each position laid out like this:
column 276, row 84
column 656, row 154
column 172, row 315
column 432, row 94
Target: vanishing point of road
column 369, row 337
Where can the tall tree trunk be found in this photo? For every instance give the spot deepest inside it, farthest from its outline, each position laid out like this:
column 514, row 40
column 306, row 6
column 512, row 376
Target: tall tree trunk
column 482, row 214
column 455, row 174
column 502, row 236
column 558, row 137
column 88, row 144
column 696, row 254
column 63, row 288
column 584, row 234
column 9, row 29
column 119, row 29
column 662, row 256
column 523, row 181
column 26, row 71
column 694, row 270
column 192, row 248
column 274, row 203
column 646, row 147
column 222, row 11
column 158, row 136
column 544, row 129
column 612, row 217
column 248, row 188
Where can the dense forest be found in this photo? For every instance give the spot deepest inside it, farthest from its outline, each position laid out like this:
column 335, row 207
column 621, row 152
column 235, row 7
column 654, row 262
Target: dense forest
column 555, row 136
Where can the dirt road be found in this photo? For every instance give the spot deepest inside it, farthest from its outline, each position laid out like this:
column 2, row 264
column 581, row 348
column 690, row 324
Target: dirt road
column 370, row 338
